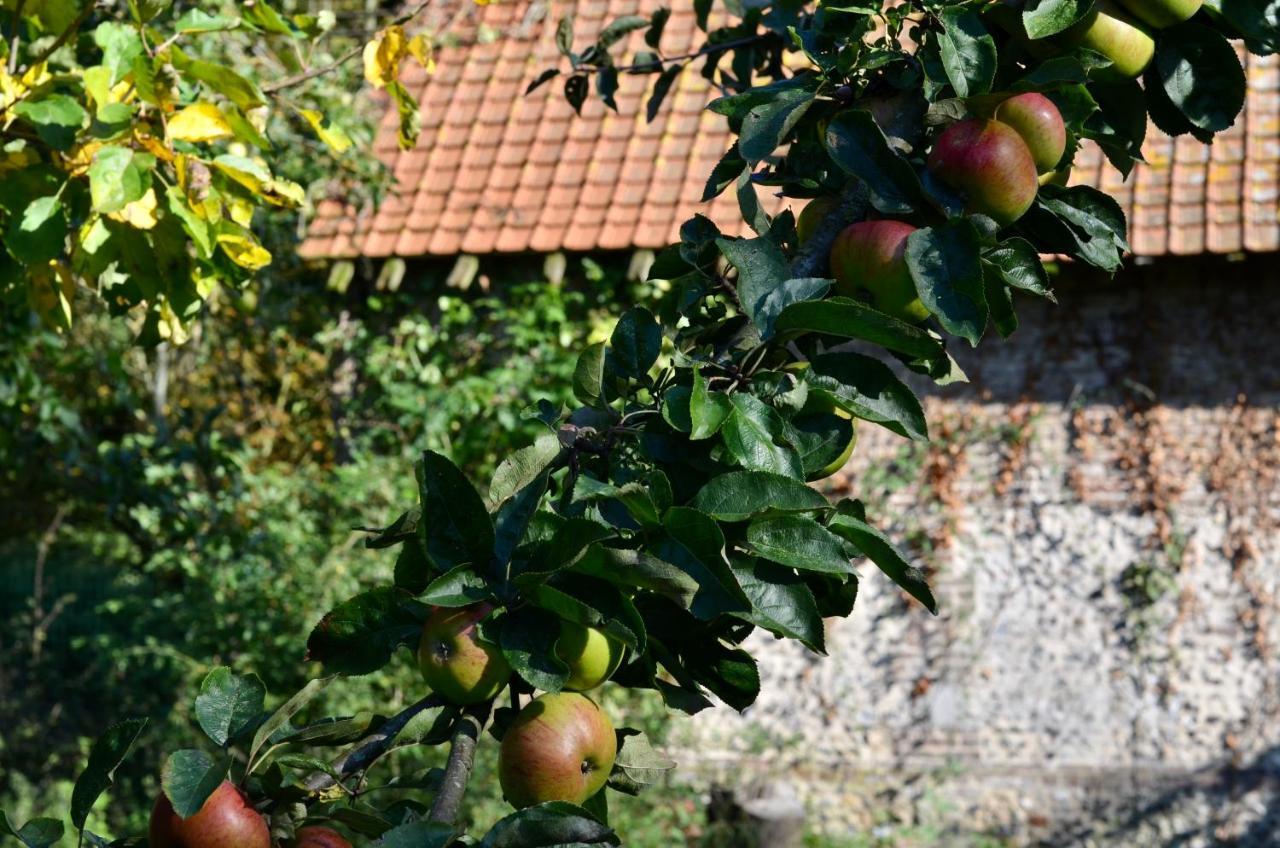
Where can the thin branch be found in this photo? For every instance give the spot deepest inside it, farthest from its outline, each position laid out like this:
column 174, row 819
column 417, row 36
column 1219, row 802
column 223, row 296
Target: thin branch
column 298, row 79
column 811, row 260
column 708, row 50
column 372, row 746
column 62, row 39
column 17, row 35
column 457, row 772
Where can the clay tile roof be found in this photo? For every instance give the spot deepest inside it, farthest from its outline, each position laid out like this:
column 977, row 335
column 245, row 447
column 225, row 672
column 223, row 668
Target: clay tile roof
column 498, row 171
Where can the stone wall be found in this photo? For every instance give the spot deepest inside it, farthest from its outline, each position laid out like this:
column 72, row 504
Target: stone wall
column 1100, row 511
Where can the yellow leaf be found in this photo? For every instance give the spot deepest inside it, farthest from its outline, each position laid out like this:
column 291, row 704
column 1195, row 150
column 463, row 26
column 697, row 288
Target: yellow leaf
column 383, row 55
column 140, row 214
column 199, row 122
column 240, row 210
column 242, row 249
column 81, row 157
column 331, row 134
column 282, row 192
column 170, row 325
column 156, row 147
column 50, row 290
column 419, row 47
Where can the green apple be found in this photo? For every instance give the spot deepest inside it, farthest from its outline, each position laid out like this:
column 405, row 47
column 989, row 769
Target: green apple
column 315, row 836
column 457, row 665
column 591, row 654
column 824, row 434
column 812, row 214
column 1109, row 31
column 1058, row 177
column 867, row 261
column 560, row 747
column 225, row 821
column 990, row 163
column 1162, row 13
column 1040, row 124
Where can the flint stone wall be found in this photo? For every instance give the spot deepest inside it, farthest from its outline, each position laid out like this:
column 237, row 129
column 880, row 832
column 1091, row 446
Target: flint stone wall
column 1100, row 508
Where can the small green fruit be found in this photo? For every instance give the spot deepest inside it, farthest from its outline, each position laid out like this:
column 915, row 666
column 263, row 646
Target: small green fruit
column 1109, row 31
column 591, row 654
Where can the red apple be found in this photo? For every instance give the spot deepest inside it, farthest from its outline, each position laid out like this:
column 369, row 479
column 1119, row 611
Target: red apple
column 560, row 747
column 1040, row 124
column 990, row 163
column 455, row 662
column 867, row 261
column 1117, row 36
column 225, row 821
column 1162, row 13
column 315, row 836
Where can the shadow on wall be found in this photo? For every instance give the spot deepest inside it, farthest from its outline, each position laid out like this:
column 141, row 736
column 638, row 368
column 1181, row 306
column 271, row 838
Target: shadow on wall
column 1236, row 805
column 1187, row 331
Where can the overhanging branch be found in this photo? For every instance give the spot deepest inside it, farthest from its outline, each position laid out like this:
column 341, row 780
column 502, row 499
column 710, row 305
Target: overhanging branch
column 457, row 772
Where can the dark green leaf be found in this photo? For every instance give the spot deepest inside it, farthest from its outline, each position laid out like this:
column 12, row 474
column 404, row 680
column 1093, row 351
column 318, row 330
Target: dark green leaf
column 767, row 125
column 284, row 713
column 968, row 51
column 856, row 143
column 781, row 603
column 459, row 587
column 228, row 703
column 37, row 833
column 1201, row 75
column 945, row 264
column 107, row 754
column 56, row 118
column 1018, row 264
column 799, row 542
column 555, row 824
column 848, row 523
column 359, row 635
column 1043, row 18
column 694, row 544
column 528, row 640
column 418, row 834
column 455, row 524
column 761, row 265
column 868, row 389
column 189, row 777
column 635, row 343
column 853, row 319
column 707, row 409
column 801, row 290
column 39, row 233
column 740, row 495
column 618, row 28
column 546, row 76
column 660, row 90
column 588, row 375
column 753, row 435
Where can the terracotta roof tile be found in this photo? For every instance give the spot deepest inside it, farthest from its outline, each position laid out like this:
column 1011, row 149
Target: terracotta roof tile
column 495, row 170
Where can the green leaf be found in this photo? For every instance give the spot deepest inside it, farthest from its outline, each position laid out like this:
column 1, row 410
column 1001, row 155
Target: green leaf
column 189, row 777
column 946, row 267
column 1000, row 303
column 528, row 641
column 197, row 20
column 635, row 343
column 457, row 588
column 799, row 542
column 761, row 265
column 513, row 520
column 39, row 233
column 730, row 167
column 820, row 438
column 413, row 571
column 360, row 635
column 856, row 143
column 694, row 543
column 120, row 45
column 523, row 467
column 868, row 389
column 37, row 833
column 56, row 117
column 638, row 570
column 767, row 125
column 588, row 376
column 555, row 824
column 1201, row 75
column 707, row 409
column 968, row 51
column 781, row 603
column 117, row 177
column 753, row 435
column 1043, row 18
column 848, row 523
column 1258, row 22
column 593, row 603
column 197, row 228
column 283, row 714
column 418, row 834
column 223, row 80
column 618, row 28
column 740, row 495
column 455, row 524
column 1095, row 220
column 228, row 703
column 638, row 761
column 107, row 754
column 1018, row 264
column 853, row 319
column 773, row 304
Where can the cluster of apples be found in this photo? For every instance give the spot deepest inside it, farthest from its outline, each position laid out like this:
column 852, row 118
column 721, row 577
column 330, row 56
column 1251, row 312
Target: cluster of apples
column 999, row 163
column 561, row 745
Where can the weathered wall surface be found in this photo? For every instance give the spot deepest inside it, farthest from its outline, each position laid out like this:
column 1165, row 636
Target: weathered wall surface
column 1101, row 511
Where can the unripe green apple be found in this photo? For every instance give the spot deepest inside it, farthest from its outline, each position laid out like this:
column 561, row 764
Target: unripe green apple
column 867, row 259
column 812, row 214
column 560, row 747
column 456, row 664
column 1162, row 13
column 225, row 821
column 316, row 836
column 1040, row 124
column 1109, row 31
column 591, row 654
column 818, row 417
column 1058, row 177
column 990, row 163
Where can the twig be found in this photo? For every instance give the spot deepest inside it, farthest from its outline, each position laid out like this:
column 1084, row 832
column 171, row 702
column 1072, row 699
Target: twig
column 298, row 79
column 457, row 772
column 705, row 51
column 66, row 34
column 811, row 260
column 372, row 746
column 17, row 35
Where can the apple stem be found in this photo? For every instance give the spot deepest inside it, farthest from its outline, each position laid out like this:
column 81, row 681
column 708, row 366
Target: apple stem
column 811, row 260
column 371, row 746
column 457, row 772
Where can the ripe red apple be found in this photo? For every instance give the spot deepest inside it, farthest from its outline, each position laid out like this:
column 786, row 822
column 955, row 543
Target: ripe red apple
column 316, row 836
column 456, row 664
column 867, row 261
column 811, row 216
column 225, row 821
column 1040, row 124
column 1117, row 36
column 560, row 747
column 1162, row 13
column 990, row 163
column 591, row 654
